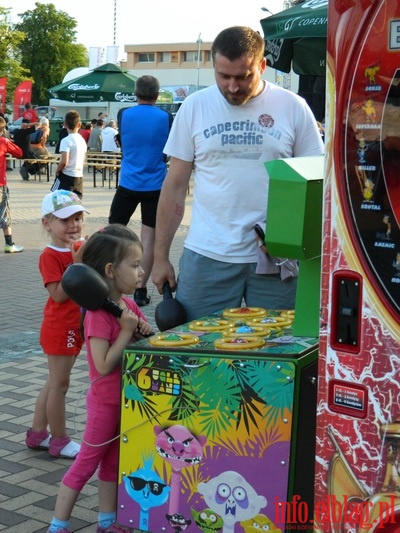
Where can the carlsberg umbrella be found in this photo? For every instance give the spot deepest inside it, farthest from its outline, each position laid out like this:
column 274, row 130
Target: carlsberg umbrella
column 296, row 37
column 106, row 83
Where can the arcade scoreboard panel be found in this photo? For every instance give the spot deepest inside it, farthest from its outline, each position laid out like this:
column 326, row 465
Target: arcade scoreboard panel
column 218, row 425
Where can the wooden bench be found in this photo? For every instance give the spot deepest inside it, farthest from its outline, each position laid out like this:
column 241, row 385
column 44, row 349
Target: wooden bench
column 107, row 164
column 45, row 162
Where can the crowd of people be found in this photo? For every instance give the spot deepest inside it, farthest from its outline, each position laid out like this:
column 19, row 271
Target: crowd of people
column 211, row 138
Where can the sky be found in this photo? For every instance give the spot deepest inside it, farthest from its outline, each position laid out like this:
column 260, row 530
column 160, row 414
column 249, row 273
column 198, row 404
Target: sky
column 158, row 21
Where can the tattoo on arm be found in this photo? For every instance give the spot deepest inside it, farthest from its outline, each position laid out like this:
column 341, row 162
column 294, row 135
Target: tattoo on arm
column 178, row 209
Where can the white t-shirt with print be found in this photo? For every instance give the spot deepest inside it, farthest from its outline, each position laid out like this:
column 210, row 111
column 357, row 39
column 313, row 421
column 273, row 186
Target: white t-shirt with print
column 229, row 146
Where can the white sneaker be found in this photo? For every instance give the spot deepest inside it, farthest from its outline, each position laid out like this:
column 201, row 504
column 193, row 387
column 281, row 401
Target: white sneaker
column 13, row 249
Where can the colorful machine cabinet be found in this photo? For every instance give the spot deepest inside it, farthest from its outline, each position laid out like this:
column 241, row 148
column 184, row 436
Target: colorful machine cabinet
column 357, row 484
column 218, row 425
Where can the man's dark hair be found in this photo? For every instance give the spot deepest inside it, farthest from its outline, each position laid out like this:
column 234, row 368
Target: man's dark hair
column 147, row 88
column 238, row 41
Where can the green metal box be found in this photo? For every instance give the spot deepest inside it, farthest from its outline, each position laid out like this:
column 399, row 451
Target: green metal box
column 294, row 210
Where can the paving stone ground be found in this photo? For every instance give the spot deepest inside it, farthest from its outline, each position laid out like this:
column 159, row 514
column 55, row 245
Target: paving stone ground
column 29, row 479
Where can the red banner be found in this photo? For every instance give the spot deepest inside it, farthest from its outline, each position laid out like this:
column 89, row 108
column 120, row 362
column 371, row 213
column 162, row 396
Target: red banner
column 3, row 93
column 23, row 94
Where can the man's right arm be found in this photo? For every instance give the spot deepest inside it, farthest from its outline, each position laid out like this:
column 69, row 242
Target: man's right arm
column 170, row 211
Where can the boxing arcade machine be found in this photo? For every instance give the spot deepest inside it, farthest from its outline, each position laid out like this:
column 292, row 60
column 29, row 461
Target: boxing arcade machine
column 357, row 484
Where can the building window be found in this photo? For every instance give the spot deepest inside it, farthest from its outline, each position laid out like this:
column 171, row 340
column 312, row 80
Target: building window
column 191, row 56
column 146, row 58
column 165, row 57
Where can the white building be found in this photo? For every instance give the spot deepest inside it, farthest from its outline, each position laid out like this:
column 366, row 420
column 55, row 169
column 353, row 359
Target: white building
column 185, row 64
column 181, row 68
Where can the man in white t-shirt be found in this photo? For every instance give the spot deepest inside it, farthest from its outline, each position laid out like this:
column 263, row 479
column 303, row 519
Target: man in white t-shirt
column 225, row 134
column 108, row 134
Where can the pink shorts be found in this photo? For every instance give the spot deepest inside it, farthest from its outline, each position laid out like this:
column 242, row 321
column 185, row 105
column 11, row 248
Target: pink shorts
column 60, row 341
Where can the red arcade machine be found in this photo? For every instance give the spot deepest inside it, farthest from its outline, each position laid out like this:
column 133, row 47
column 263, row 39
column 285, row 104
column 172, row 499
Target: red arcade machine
column 357, row 483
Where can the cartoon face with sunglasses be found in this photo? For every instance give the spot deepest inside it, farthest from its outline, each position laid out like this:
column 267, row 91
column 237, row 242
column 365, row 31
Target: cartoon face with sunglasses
column 146, row 488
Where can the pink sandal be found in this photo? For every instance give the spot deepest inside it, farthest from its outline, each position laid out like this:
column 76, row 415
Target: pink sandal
column 38, row 440
column 63, row 447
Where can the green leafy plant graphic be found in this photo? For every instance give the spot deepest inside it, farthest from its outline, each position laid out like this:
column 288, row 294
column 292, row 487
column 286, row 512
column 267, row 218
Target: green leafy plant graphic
column 222, row 393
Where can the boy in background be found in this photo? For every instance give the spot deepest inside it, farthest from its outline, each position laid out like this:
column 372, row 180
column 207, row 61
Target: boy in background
column 69, row 171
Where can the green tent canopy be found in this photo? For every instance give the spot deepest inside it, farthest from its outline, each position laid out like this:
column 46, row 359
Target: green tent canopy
column 106, row 83
column 165, row 97
column 296, row 38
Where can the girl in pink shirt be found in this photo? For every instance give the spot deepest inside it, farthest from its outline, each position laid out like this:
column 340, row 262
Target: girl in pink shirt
column 115, row 252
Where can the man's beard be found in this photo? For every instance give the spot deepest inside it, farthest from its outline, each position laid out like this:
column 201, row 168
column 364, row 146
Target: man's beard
column 237, row 98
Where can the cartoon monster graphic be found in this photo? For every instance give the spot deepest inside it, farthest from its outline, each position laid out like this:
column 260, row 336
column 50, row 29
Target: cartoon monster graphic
column 259, row 524
column 147, row 489
column 180, row 448
column 232, row 497
column 178, row 522
column 207, row 520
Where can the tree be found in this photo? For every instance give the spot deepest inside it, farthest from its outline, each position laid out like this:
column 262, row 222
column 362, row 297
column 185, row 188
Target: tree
column 50, row 49
column 10, row 66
